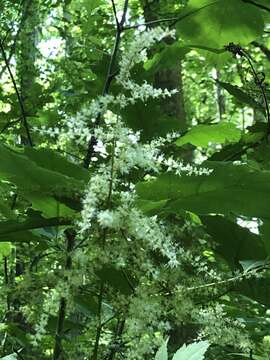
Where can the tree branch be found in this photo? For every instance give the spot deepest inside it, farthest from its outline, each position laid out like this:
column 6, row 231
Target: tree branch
column 16, row 37
column 263, row 7
column 263, row 49
column 58, row 349
column 115, row 13
column 24, row 119
column 109, row 78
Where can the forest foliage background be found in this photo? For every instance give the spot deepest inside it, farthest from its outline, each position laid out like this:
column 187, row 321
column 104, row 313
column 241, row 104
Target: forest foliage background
column 135, row 179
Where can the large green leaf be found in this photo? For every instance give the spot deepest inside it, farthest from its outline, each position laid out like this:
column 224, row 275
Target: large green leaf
column 49, row 206
column 162, row 353
column 215, row 23
column 258, row 290
column 254, row 357
column 149, row 119
column 15, row 231
column 28, row 175
column 33, row 222
column 51, row 160
column 10, row 357
column 241, row 96
column 234, row 242
column 167, row 58
column 230, row 188
column 120, row 280
column 193, row 351
column 201, row 135
column 43, row 178
column 5, row 249
column 265, row 233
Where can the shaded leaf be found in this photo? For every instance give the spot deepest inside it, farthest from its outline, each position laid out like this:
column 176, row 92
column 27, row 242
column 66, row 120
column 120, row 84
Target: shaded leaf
column 230, row 188
column 166, row 58
column 241, row 96
column 51, row 160
column 119, row 280
column 234, row 243
column 25, row 173
column 258, row 290
column 10, row 357
column 150, row 120
column 217, row 23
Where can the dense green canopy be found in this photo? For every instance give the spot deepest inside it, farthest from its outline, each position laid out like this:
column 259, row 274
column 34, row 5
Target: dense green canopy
column 135, row 179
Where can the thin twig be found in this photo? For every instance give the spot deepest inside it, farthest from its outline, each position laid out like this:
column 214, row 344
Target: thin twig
column 6, row 280
column 259, row 83
column 118, row 335
column 172, row 20
column 9, row 124
column 17, row 94
column 239, row 277
column 13, row 46
column 263, row 49
column 149, row 23
column 58, row 349
column 115, row 13
column 110, row 76
column 261, row 6
column 99, row 326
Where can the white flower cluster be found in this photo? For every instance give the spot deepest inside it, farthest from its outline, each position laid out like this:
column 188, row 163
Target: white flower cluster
column 77, row 128
column 179, row 168
column 129, row 153
column 40, row 329
column 122, row 147
column 139, row 229
column 136, row 51
column 97, row 191
column 221, row 329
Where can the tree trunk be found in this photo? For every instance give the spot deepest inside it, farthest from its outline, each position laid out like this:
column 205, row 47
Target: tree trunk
column 168, row 78
column 174, row 106
column 26, row 58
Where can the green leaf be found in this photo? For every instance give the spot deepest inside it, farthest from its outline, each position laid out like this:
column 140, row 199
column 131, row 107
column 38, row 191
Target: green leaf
column 254, row 357
column 258, row 290
column 34, row 221
column 249, row 265
column 18, row 334
column 25, row 173
column 230, row 188
column 217, row 23
column 234, row 243
column 193, row 351
column 120, row 280
column 265, row 233
column 241, row 96
column 207, row 48
column 86, row 304
column 10, row 357
column 15, row 231
column 91, row 5
column 149, row 119
column 5, row 249
column 162, row 353
column 201, row 135
column 150, row 207
column 51, row 160
column 49, row 206
column 167, row 58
